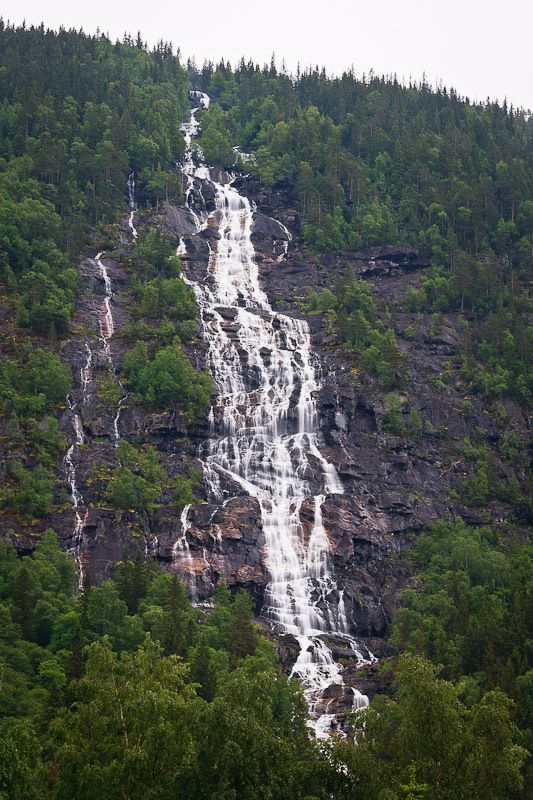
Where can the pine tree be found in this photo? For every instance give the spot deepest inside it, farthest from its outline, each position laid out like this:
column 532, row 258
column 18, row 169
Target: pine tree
column 133, row 578
column 203, row 670
column 75, row 669
column 24, row 602
column 244, row 635
column 173, row 630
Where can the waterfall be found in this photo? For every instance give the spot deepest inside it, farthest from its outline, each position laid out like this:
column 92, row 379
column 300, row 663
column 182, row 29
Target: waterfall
column 86, row 371
column 78, row 504
column 181, row 551
column 106, row 324
column 132, row 204
column 201, row 97
column 77, row 501
column 264, row 435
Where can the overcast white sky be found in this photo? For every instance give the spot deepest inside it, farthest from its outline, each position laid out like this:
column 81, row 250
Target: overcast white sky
column 481, row 47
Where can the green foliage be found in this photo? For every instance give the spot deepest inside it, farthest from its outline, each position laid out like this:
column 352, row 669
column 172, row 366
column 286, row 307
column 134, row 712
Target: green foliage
column 138, row 481
column 154, row 255
column 33, row 385
column 174, row 626
column 20, row 750
column 351, row 315
column 46, row 440
column 214, row 139
column 483, row 483
column 244, row 636
column 130, row 691
column 142, row 695
column 183, row 487
column 383, row 359
column 203, row 670
column 96, row 110
column 170, row 297
column 372, row 162
column 32, row 260
column 392, row 420
column 164, row 315
column 78, row 113
column 414, row 790
column 168, row 380
column 471, row 614
column 32, row 495
column 457, row 751
column 132, row 579
column 497, row 356
column 37, row 384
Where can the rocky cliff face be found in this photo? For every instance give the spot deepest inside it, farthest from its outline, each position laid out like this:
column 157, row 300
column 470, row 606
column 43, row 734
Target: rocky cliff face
column 394, row 485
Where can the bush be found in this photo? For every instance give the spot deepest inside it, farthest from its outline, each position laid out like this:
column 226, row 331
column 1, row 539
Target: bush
column 392, row 421
column 139, row 480
column 384, row 359
column 34, row 496
column 167, row 297
column 154, row 254
column 168, row 380
column 183, row 488
column 39, row 385
column 46, row 439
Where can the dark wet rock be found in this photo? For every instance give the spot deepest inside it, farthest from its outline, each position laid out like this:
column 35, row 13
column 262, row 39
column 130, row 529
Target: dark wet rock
column 178, row 221
column 394, row 485
column 285, row 645
column 369, row 680
column 403, row 257
column 267, row 230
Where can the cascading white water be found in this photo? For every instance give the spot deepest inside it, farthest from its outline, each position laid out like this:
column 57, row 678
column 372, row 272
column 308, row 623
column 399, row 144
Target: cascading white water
column 106, row 325
column 86, row 371
column 78, row 503
column 75, row 494
column 181, row 552
column 202, row 98
column 132, row 204
column 107, row 329
column 264, row 432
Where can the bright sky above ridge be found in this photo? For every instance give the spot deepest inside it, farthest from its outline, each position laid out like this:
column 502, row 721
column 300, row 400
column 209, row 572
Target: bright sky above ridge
column 481, row 47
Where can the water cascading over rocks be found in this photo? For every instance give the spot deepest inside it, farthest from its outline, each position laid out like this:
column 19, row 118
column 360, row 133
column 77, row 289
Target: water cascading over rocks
column 77, row 400
column 106, row 324
column 264, row 433
column 70, row 468
column 132, row 204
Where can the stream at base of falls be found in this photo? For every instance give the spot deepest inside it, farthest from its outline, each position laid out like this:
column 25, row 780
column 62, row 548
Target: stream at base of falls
column 264, row 435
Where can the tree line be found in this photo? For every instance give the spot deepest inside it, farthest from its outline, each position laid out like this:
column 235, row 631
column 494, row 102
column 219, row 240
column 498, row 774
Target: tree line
column 126, row 690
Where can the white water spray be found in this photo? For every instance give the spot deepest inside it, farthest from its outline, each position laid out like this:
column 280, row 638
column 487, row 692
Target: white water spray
column 181, row 552
column 264, row 431
column 132, row 204
column 75, row 494
column 107, row 329
column 69, row 462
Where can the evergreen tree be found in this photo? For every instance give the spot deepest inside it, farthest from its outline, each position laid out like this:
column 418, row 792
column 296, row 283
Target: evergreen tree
column 173, row 629
column 244, row 634
column 203, row 670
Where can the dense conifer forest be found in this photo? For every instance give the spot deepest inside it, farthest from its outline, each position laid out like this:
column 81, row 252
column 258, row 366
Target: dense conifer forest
column 123, row 688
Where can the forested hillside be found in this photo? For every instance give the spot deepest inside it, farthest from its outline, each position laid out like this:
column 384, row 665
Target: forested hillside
column 127, row 690
column 397, row 221
column 374, row 162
